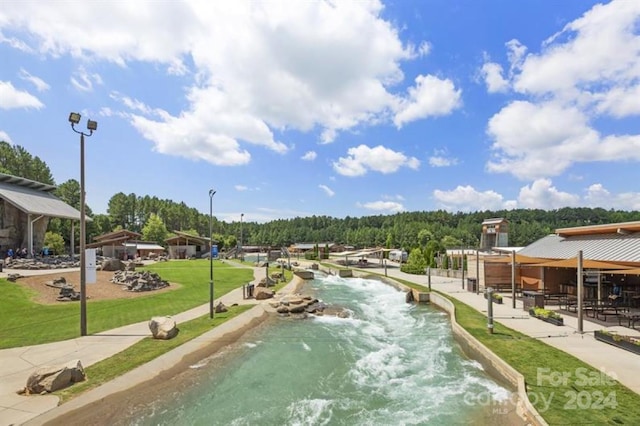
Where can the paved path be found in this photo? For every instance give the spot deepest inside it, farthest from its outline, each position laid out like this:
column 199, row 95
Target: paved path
column 17, row 363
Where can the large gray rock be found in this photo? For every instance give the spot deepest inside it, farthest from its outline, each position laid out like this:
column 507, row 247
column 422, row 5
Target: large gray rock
column 52, row 378
column 113, row 265
column 262, row 293
column 163, row 328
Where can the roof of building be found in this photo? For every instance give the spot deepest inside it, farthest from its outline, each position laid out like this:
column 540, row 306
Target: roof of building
column 609, row 228
column 611, row 247
column 184, row 236
column 494, row 220
column 144, row 246
column 35, row 198
column 26, row 183
column 122, row 233
column 310, row 246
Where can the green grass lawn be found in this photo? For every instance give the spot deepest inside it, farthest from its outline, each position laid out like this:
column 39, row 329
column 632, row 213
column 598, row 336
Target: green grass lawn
column 564, row 389
column 28, row 323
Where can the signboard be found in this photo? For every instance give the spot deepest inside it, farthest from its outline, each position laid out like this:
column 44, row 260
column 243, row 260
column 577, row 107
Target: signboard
column 214, row 250
column 90, row 265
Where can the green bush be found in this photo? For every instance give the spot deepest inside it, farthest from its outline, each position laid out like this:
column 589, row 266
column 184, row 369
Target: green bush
column 55, row 242
column 410, row 268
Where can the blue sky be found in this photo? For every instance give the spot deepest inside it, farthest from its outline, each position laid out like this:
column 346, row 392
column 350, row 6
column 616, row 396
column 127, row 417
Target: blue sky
column 291, row 108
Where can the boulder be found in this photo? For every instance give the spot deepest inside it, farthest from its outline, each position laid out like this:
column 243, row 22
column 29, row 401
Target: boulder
column 220, row 308
column 163, row 328
column 52, row 378
column 113, row 265
column 262, row 293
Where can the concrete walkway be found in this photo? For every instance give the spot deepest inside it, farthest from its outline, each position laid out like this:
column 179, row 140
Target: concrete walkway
column 17, row 364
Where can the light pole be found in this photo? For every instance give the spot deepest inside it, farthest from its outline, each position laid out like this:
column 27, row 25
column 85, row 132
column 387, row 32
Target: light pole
column 240, row 248
column 211, row 194
column 74, row 118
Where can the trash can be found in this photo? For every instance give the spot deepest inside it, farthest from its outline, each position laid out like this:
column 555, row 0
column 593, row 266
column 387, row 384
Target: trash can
column 472, row 284
column 532, row 299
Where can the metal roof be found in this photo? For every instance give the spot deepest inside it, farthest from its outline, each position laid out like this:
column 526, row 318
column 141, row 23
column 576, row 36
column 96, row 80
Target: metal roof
column 27, row 183
column 35, row 198
column 605, row 247
column 144, row 246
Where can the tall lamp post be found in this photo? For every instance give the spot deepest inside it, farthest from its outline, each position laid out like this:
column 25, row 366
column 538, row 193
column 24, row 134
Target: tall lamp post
column 240, row 248
column 74, row 118
column 211, row 194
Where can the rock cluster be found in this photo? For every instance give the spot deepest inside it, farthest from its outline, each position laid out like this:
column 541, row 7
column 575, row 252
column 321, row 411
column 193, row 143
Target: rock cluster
column 139, row 280
column 48, row 262
column 303, row 305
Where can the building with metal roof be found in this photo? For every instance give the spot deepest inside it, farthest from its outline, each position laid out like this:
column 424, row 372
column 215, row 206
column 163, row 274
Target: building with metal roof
column 605, row 254
column 613, row 247
column 25, row 209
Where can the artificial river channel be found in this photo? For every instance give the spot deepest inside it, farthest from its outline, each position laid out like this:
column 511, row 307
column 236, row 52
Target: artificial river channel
column 388, row 363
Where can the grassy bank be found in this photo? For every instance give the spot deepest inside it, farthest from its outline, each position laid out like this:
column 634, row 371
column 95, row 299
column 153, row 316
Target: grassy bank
column 145, row 351
column 564, row 389
column 28, row 323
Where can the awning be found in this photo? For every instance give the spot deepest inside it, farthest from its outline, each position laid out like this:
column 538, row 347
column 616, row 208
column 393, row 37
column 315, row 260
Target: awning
column 586, row 264
column 632, row 271
column 521, row 259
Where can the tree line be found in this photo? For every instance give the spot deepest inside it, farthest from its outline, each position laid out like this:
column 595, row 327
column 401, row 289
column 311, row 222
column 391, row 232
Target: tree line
column 432, row 231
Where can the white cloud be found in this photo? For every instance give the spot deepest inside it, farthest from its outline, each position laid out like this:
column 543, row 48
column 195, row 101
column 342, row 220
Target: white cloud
column 327, row 190
column 527, row 135
column 430, row 97
column 424, row 49
column 516, row 54
column 83, row 81
column 467, row 198
column 387, row 206
column 39, row 83
column 588, row 54
column 598, row 196
column 440, row 158
column 241, row 188
column 581, row 75
column 379, row 159
column 492, row 74
column 541, row 194
column 321, row 66
column 4, row 136
column 309, row 156
column 12, row 98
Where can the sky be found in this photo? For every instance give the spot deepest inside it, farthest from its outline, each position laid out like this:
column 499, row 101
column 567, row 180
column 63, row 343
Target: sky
column 340, row 108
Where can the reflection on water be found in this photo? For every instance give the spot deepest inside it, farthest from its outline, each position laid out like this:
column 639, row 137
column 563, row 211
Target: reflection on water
column 388, row 363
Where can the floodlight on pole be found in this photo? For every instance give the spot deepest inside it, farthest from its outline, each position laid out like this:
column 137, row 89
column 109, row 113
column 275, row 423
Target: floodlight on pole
column 240, row 248
column 74, row 118
column 211, row 194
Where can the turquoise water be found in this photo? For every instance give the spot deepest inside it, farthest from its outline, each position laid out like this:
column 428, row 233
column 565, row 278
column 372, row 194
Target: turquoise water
column 388, row 363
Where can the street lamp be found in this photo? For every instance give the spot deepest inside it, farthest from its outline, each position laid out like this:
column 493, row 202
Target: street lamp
column 240, row 248
column 74, row 118
column 211, row 194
